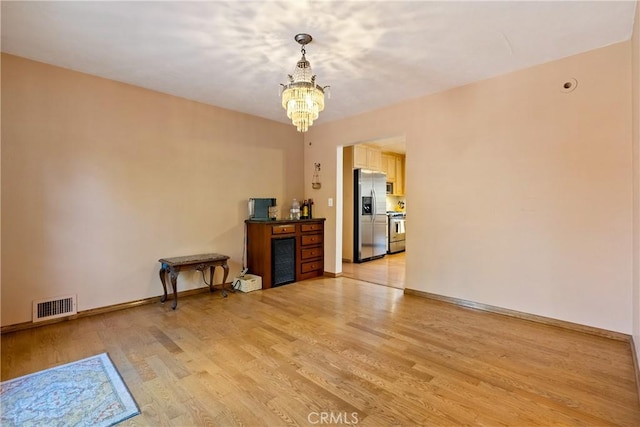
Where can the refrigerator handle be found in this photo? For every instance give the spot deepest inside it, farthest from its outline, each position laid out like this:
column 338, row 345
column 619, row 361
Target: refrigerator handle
column 375, row 206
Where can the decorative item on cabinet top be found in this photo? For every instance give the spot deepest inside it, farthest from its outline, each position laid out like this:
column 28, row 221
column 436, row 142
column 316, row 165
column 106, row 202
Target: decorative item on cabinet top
column 261, row 208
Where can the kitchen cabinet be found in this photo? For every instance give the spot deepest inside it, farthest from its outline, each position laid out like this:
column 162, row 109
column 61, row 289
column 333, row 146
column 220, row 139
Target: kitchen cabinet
column 389, row 166
column 284, row 251
column 398, row 187
column 393, row 166
column 367, row 158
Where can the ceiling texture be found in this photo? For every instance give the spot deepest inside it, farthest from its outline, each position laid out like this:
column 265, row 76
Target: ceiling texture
column 235, row 54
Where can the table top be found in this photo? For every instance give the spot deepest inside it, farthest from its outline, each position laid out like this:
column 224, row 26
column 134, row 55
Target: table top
column 193, row 259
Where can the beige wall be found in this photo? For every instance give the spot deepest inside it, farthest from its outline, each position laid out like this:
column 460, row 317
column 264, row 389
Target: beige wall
column 521, row 194
column 101, row 179
column 635, row 81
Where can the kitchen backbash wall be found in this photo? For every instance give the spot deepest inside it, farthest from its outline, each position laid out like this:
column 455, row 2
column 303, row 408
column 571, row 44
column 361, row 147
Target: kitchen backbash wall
column 101, row 179
column 520, row 193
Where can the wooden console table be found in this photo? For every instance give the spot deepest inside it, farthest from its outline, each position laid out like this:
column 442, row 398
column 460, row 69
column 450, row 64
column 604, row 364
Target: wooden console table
column 174, row 265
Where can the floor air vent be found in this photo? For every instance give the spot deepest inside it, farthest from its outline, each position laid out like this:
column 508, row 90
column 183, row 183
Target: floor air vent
column 51, row 308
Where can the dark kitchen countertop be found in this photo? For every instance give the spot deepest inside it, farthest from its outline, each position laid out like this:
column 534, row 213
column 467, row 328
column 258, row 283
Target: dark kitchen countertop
column 282, row 221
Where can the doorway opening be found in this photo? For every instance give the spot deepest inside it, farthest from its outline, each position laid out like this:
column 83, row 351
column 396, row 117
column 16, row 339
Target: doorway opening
column 385, row 156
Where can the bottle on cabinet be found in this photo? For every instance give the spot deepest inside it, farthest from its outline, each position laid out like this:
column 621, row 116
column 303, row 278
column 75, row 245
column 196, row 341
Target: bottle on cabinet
column 305, row 210
column 295, row 210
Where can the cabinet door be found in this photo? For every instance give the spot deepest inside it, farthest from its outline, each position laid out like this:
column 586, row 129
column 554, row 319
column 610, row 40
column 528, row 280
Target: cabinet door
column 385, row 164
column 389, row 166
column 374, row 159
column 283, row 261
column 360, row 157
column 398, row 188
column 392, row 170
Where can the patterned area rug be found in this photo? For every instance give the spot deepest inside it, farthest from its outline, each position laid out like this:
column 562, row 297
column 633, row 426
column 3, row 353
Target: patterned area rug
column 89, row 392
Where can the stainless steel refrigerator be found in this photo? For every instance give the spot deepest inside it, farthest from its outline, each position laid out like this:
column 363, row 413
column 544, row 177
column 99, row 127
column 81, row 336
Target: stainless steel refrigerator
column 370, row 216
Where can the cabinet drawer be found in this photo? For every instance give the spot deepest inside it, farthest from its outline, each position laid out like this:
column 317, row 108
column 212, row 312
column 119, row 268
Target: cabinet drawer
column 312, row 266
column 283, row 229
column 311, row 253
column 311, row 239
column 311, row 227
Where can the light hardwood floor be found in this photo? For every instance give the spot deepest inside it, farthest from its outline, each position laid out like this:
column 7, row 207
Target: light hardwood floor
column 368, row 354
column 387, row 271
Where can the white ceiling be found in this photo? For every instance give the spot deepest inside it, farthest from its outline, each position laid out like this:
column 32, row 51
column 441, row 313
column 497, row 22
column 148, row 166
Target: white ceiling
column 234, row 54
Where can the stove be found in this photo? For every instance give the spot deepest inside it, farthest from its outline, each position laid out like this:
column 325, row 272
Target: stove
column 396, row 232
column 394, row 214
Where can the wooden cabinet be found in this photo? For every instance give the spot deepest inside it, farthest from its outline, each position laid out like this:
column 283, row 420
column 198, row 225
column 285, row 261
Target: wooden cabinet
column 393, row 166
column 374, row 159
column 367, row 158
column 389, row 166
column 398, row 188
column 360, row 156
column 308, row 238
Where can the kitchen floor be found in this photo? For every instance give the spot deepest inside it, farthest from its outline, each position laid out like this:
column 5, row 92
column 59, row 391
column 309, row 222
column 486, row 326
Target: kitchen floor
column 387, row 271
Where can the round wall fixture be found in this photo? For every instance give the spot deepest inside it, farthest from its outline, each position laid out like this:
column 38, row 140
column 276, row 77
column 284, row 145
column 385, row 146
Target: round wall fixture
column 570, row 85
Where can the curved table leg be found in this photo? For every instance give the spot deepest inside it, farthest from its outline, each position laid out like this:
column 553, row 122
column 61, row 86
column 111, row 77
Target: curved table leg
column 225, row 267
column 212, row 268
column 163, row 274
column 174, row 285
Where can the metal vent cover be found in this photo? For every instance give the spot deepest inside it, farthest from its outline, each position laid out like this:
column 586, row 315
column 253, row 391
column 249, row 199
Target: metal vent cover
column 46, row 309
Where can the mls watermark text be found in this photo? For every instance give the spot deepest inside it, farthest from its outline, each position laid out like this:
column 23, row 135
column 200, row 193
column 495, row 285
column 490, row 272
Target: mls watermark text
column 331, row 417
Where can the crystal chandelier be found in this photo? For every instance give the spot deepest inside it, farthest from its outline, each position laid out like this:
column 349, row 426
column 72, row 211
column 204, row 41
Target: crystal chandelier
column 302, row 97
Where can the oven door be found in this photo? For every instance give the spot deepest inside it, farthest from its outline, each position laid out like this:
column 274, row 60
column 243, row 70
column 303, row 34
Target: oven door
column 396, row 229
column 396, row 235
